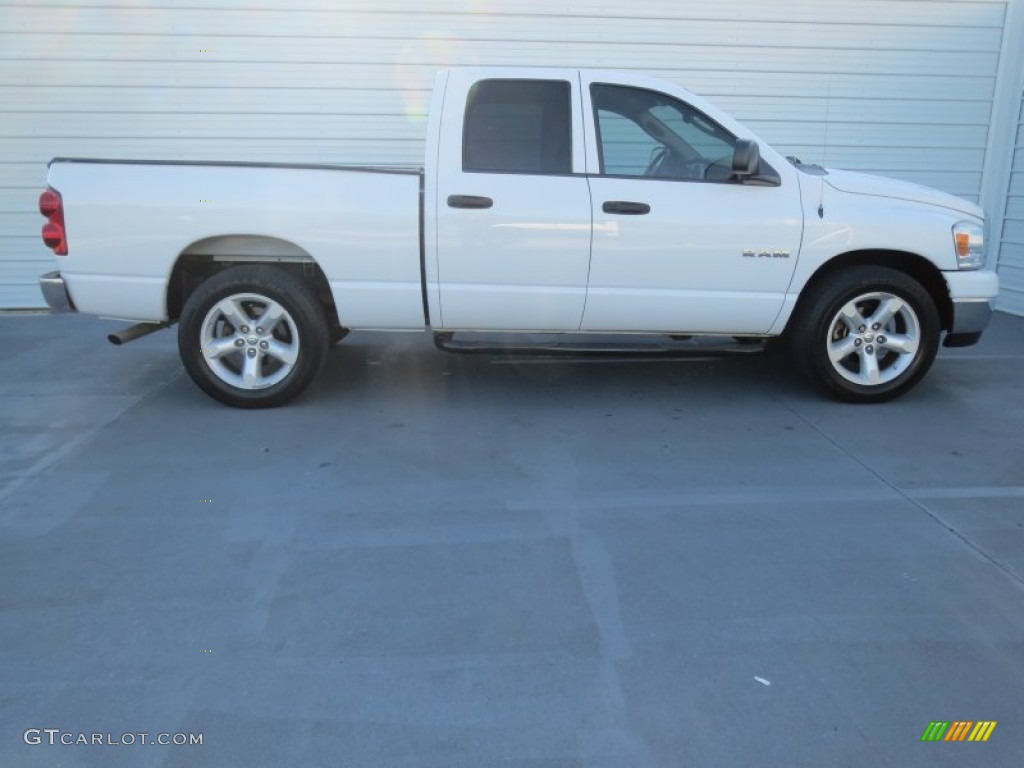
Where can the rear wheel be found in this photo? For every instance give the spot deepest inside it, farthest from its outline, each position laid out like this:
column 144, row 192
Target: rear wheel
column 867, row 335
column 253, row 336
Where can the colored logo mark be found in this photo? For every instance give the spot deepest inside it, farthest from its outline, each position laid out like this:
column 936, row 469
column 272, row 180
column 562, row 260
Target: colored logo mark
column 959, row 730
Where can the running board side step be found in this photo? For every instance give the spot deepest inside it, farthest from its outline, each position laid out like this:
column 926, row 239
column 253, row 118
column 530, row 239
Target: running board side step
column 668, row 349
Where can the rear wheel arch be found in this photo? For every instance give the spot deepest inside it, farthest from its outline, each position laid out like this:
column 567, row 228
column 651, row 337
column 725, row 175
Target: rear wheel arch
column 205, row 258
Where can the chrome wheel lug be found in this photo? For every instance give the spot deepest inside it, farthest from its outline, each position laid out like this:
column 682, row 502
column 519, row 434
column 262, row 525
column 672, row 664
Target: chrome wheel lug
column 870, row 350
column 244, row 329
column 264, row 345
column 876, row 327
column 858, row 343
column 259, row 331
column 251, row 352
column 862, row 329
column 881, row 339
column 239, row 342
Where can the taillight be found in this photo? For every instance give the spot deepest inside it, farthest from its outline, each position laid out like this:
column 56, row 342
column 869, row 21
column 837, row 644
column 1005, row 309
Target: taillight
column 54, row 235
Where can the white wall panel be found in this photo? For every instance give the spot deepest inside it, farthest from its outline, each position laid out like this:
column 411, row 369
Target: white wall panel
column 900, row 87
column 1001, row 187
column 1011, row 248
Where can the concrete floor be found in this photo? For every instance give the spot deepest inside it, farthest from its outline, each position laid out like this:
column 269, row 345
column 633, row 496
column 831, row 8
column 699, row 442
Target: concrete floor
column 441, row 561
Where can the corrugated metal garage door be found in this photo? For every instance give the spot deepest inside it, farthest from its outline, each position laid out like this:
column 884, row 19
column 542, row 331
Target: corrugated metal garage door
column 905, row 86
column 1011, row 250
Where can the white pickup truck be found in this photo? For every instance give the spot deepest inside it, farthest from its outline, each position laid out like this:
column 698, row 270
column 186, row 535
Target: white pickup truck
column 551, row 201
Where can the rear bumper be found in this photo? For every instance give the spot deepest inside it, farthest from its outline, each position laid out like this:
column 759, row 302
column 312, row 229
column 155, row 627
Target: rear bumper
column 56, row 292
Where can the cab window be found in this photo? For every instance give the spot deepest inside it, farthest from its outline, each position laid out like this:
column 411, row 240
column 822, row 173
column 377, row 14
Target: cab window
column 518, row 126
column 649, row 134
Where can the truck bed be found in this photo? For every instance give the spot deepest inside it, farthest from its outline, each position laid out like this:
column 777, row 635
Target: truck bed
column 361, row 225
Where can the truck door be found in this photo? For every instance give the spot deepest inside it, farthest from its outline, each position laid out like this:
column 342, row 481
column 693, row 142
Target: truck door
column 679, row 243
column 513, row 213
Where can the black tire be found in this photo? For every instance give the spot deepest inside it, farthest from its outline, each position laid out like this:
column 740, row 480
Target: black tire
column 259, row 367
column 902, row 346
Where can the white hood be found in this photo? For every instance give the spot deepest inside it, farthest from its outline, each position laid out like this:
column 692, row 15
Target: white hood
column 879, row 186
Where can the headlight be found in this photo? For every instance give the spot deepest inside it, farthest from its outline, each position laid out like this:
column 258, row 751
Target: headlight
column 969, row 244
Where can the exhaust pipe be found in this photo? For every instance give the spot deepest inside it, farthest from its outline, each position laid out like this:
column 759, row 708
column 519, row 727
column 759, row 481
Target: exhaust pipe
column 133, row 332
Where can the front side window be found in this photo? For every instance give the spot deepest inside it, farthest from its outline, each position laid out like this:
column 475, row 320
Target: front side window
column 650, row 134
column 518, row 126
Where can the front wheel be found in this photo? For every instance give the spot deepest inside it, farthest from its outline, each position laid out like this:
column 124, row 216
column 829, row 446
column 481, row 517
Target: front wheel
column 253, row 336
column 867, row 335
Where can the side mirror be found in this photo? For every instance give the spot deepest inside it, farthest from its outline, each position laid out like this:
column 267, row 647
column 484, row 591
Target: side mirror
column 746, row 158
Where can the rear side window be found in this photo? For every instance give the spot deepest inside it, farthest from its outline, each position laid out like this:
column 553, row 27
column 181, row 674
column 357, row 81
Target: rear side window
column 518, row 126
